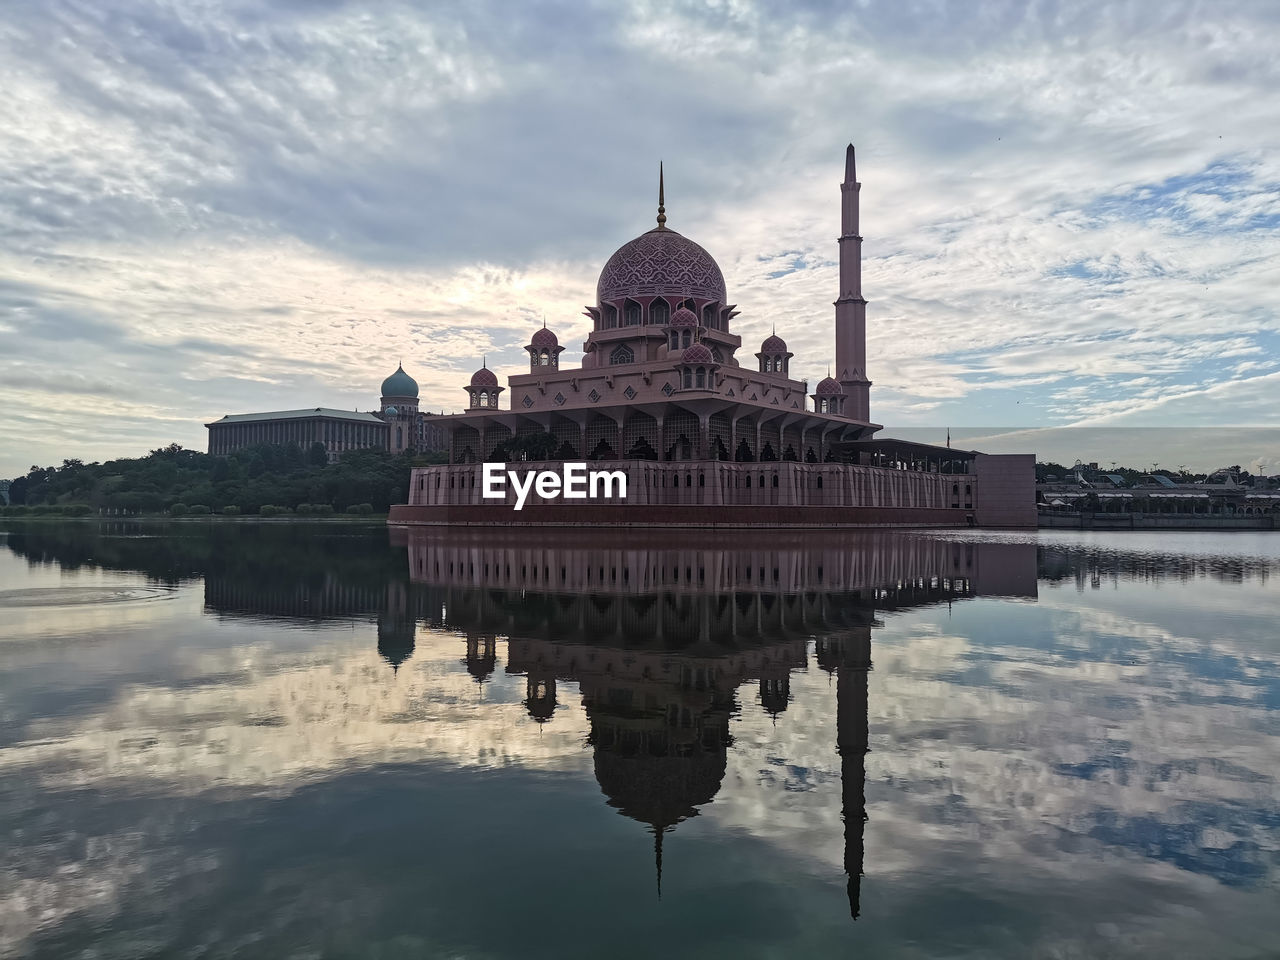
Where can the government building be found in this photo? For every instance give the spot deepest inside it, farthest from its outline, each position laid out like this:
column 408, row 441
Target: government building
column 705, row 437
column 396, row 426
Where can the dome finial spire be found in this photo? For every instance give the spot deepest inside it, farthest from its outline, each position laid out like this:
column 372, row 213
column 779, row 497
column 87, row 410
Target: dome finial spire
column 662, row 210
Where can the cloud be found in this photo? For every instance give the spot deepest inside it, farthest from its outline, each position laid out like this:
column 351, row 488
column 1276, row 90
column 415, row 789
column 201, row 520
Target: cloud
column 1070, row 213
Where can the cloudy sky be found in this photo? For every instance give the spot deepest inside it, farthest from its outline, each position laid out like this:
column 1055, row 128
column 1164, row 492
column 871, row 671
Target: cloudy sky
column 1071, row 209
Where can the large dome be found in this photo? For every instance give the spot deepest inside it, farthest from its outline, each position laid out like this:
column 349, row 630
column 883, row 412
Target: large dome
column 660, row 263
column 400, row 384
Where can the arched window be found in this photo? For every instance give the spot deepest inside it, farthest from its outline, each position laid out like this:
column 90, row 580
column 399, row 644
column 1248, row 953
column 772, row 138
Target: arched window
column 610, row 317
column 632, row 313
column 687, row 338
column 688, row 378
column 544, row 358
column 775, row 480
column 484, row 398
column 822, row 406
column 659, row 311
column 709, row 316
column 675, row 339
column 622, row 354
column 701, row 377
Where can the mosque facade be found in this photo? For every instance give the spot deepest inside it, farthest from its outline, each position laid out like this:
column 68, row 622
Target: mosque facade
column 702, row 435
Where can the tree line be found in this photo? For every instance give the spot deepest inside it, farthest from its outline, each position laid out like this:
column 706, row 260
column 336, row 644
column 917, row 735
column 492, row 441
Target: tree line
column 284, row 478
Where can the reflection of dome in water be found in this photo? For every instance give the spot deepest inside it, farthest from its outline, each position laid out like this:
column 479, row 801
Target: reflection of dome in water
column 396, row 640
column 660, row 791
column 482, row 657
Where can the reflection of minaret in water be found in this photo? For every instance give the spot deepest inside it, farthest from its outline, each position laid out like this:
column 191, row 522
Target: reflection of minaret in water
column 848, row 656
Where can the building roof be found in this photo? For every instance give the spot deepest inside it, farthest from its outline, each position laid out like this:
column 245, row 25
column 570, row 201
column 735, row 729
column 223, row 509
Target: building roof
column 310, row 413
column 773, row 344
column 544, row 338
column 399, row 384
column 663, row 263
column 698, row 353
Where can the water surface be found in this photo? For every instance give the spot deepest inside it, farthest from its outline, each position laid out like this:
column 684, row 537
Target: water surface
column 326, row 740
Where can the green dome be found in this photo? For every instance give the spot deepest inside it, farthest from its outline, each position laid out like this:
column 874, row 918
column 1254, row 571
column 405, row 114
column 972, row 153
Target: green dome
column 400, row 384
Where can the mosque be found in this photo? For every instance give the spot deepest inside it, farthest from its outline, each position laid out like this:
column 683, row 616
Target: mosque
column 701, row 437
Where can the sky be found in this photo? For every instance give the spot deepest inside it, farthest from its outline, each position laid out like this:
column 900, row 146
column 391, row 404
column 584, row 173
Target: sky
column 1071, row 210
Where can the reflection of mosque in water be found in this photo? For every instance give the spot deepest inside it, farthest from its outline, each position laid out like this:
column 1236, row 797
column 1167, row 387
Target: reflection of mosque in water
column 660, row 639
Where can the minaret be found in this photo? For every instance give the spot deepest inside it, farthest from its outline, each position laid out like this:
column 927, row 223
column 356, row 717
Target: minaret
column 851, row 309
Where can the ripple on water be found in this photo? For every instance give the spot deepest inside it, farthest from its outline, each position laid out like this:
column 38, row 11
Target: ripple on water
column 81, row 596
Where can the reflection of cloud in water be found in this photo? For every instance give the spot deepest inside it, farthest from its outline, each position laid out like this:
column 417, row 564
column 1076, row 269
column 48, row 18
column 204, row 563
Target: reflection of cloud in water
column 1091, row 755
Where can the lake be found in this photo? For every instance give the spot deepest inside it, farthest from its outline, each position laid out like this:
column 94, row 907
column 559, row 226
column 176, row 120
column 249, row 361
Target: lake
column 314, row 740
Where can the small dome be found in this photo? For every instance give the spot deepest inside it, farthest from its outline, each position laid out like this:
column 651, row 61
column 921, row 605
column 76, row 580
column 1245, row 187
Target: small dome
column 684, row 317
column 698, row 353
column 773, row 344
column 399, row 384
column 829, row 387
column 392, row 411
column 484, row 377
column 544, row 339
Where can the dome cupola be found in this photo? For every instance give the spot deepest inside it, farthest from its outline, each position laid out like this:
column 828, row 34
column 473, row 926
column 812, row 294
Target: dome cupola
column 684, row 317
column 774, row 356
column 698, row 353
column 484, row 377
column 483, row 390
column 828, row 396
column 400, row 384
column 655, row 269
column 681, row 329
column 697, row 368
column 544, row 350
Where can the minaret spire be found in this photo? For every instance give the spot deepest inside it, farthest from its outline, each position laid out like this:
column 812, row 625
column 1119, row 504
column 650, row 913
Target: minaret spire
column 662, row 210
column 657, row 855
column 851, row 308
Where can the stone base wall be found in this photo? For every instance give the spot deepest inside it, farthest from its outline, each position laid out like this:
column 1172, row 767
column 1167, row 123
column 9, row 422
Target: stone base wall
column 709, row 483
column 675, row 515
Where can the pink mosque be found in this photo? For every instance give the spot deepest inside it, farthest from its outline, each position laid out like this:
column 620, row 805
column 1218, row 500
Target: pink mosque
column 702, row 438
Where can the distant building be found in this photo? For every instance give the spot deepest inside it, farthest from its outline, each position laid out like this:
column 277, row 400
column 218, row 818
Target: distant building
column 4, row 492
column 397, row 426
